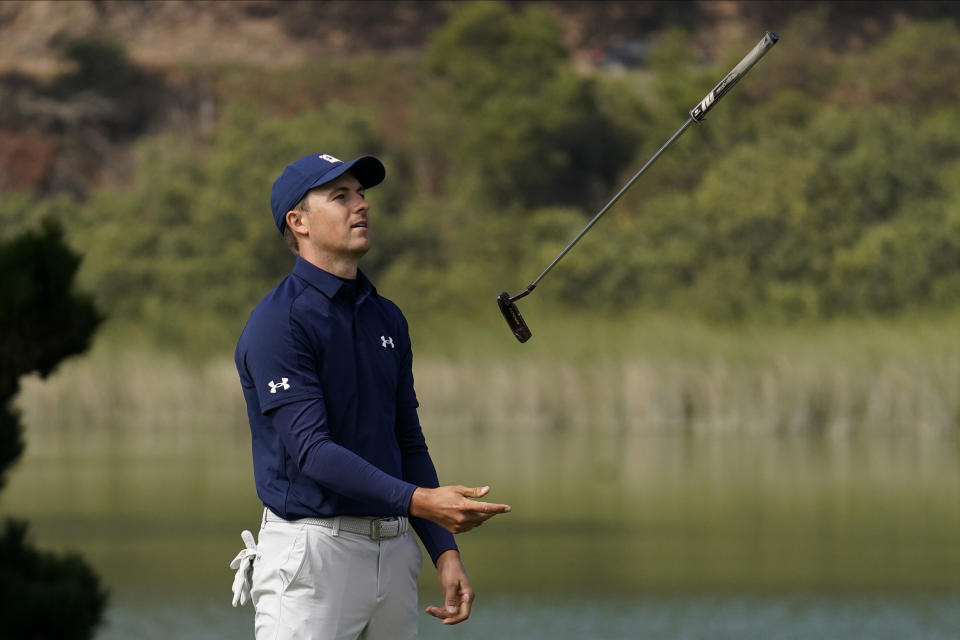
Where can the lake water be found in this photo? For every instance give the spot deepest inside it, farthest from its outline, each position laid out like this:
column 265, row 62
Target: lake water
column 612, row 534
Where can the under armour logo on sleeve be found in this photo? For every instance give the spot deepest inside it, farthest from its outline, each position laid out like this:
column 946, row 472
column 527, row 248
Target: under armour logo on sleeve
column 387, row 342
column 281, row 385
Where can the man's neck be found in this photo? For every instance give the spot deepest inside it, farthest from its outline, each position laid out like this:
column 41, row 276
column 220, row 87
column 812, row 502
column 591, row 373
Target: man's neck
column 342, row 266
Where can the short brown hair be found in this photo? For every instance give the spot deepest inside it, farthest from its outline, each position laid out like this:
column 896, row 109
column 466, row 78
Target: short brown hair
column 289, row 237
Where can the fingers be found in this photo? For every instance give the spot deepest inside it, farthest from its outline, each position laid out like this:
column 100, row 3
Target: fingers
column 456, row 611
column 482, row 507
column 456, row 508
column 462, row 612
column 458, row 594
column 490, row 508
column 475, row 492
column 474, row 513
column 471, row 518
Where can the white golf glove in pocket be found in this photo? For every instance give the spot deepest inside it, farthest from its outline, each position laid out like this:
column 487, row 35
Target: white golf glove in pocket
column 243, row 563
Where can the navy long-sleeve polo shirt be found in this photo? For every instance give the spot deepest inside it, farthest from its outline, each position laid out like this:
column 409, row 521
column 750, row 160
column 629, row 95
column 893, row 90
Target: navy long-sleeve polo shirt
column 326, row 370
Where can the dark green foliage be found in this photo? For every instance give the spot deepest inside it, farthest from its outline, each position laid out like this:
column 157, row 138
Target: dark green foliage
column 42, row 321
column 11, row 437
column 488, row 48
column 537, row 132
column 46, row 596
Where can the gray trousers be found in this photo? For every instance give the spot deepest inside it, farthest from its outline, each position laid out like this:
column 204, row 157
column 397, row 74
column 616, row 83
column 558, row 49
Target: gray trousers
column 317, row 583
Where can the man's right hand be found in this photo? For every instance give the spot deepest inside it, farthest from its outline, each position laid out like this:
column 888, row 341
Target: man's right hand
column 454, row 507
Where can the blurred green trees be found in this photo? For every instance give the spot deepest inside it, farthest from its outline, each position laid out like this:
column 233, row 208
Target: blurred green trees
column 825, row 184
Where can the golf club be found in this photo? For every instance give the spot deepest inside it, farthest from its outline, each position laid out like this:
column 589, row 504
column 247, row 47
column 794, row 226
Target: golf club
column 507, row 302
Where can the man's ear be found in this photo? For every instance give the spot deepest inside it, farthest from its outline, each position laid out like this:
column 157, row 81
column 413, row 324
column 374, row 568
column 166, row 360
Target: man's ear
column 294, row 220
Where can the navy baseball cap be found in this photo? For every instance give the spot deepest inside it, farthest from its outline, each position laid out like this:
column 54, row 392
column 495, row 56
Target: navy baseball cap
column 314, row 170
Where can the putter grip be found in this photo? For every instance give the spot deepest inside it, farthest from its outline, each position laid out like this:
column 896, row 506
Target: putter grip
column 766, row 43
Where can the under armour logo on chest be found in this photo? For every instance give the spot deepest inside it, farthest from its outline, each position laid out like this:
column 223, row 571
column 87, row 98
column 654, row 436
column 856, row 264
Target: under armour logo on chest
column 281, row 385
column 387, row 342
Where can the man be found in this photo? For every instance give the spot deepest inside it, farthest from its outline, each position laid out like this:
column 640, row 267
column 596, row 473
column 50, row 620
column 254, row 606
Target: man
column 339, row 458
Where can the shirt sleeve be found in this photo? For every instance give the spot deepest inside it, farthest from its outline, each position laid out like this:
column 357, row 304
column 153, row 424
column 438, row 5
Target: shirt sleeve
column 302, row 427
column 280, row 362
column 418, row 467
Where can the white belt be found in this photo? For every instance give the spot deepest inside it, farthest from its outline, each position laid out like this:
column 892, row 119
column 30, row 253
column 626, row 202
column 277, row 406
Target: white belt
column 373, row 528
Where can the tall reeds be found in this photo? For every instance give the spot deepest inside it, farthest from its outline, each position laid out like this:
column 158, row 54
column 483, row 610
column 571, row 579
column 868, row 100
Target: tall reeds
column 825, row 382
column 780, row 396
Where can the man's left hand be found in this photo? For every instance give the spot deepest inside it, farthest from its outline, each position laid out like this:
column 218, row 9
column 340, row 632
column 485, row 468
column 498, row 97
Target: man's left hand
column 458, row 594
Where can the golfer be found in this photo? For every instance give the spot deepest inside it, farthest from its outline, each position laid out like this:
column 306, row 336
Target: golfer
column 339, row 459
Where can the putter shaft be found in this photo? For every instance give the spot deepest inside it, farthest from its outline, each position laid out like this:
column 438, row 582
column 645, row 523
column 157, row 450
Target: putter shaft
column 507, row 302
column 605, row 208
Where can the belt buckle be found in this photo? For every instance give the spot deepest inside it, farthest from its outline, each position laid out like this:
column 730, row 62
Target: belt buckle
column 375, row 529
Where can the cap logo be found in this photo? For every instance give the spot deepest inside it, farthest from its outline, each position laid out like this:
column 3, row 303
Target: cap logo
column 330, row 159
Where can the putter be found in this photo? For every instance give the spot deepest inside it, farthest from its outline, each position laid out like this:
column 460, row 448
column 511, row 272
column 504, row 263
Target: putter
column 507, row 303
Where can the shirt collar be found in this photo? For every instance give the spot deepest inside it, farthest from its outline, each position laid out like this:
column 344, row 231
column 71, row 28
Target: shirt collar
column 327, row 283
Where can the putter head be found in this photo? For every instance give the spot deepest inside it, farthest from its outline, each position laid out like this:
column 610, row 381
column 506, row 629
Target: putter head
column 512, row 315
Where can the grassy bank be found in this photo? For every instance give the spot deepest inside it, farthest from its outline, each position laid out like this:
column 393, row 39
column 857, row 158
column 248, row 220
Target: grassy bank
column 638, row 373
